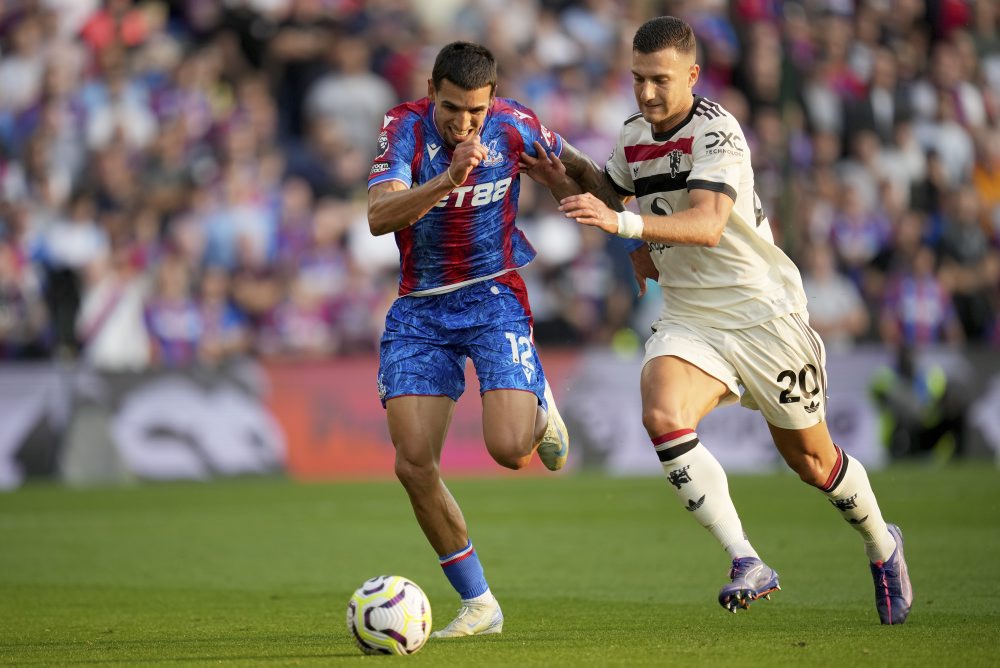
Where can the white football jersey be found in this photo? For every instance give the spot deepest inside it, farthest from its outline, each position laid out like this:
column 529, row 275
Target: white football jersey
column 746, row 279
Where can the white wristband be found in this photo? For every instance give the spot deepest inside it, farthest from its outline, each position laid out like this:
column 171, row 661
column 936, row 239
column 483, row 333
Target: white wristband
column 630, row 225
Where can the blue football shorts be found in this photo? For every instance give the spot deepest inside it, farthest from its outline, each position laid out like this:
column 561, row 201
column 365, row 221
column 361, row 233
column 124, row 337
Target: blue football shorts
column 427, row 340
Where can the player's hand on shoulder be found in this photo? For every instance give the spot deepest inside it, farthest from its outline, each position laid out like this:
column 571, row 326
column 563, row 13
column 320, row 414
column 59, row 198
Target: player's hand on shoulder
column 589, row 210
column 545, row 167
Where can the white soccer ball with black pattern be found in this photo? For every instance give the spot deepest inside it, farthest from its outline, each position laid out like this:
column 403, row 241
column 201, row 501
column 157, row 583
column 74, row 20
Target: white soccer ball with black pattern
column 389, row 614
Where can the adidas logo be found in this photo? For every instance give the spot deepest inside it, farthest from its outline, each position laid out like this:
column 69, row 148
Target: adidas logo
column 695, row 505
column 811, row 408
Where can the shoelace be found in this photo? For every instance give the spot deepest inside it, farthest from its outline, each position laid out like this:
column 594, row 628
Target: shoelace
column 735, row 570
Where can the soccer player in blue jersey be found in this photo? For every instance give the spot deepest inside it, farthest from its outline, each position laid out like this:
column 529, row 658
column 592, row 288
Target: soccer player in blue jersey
column 446, row 183
column 734, row 325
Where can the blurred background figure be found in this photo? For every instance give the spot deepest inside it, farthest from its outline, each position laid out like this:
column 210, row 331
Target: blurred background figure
column 173, row 319
column 922, row 410
column 836, row 308
column 23, row 317
column 111, row 325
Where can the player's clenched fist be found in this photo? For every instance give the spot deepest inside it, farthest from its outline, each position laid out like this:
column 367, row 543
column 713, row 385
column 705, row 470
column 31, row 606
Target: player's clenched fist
column 465, row 158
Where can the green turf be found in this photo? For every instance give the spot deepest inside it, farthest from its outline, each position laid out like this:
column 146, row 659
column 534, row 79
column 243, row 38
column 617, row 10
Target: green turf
column 590, row 571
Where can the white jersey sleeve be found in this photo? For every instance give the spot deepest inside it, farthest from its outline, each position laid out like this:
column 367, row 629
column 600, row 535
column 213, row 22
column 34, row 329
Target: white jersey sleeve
column 718, row 156
column 617, row 166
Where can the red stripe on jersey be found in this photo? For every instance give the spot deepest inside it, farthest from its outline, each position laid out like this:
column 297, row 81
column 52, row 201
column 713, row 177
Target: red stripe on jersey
column 404, row 237
column 513, row 280
column 457, row 238
column 508, row 205
column 642, row 152
column 404, row 241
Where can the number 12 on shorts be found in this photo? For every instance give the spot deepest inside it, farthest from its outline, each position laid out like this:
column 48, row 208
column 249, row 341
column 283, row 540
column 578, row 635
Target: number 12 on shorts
column 521, row 352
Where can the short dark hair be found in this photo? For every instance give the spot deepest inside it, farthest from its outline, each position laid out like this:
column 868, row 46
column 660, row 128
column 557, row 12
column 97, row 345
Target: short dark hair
column 664, row 32
column 467, row 65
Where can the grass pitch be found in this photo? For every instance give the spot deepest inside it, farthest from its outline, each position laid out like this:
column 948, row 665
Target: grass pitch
column 589, row 570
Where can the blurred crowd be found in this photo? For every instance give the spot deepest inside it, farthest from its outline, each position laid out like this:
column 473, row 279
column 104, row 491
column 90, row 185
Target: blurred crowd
column 185, row 181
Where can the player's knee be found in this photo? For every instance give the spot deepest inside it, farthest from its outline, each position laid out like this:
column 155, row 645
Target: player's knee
column 512, row 458
column 660, row 420
column 415, row 474
column 514, row 463
column 510, row 448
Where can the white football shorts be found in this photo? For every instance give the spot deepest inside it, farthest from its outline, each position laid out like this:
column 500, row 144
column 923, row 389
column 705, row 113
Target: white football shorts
column 780, row 364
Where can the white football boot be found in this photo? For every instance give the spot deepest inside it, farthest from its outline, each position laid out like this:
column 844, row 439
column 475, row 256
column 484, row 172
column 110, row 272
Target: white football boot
column 475, row 618
column 554, row 446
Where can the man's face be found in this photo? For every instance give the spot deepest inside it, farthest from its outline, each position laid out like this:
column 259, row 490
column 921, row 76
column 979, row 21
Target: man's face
column 459, row 113
column 663, row 83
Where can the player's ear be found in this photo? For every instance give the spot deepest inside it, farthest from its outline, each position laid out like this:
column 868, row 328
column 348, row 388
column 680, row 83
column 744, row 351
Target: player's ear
column 693, row 74
column 430, row 88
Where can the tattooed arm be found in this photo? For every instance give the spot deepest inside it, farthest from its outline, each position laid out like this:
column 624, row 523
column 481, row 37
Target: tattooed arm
column 572, row 173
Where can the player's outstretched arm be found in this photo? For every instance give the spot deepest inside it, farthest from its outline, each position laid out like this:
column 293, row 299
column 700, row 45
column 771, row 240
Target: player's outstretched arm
column 570, row 174
column 392, row 206
column 700, row 225
column 587, row 209
column 590, row 177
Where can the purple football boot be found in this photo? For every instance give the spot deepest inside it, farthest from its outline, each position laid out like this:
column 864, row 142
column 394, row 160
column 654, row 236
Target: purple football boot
column 751, row 579
column 893, row 592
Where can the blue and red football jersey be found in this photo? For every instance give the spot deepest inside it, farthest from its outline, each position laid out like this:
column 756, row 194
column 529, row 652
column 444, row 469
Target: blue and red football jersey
column 471, row 233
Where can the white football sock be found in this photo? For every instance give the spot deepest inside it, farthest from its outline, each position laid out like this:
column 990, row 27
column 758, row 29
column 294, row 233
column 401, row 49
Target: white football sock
column 485, row 598
column 700, row 482
column 851, row 493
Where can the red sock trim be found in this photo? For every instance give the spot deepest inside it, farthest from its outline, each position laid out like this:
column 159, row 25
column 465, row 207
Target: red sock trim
column 671, row 435
column 835, row 473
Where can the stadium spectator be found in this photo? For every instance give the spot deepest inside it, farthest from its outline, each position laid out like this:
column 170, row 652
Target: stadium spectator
column 970, row 268
column 66, row 246
column 111, row 324
column 986, row 181
column 916, row 310
column 350, row 96
column 299, row 326
column 22, row 313
column 884, row 104
column 116, row 106
column 837, row 310
column 120, row 23
column 592, row 292
column 858, row 233
column 23, row 66
column 225, row 334
column 173, row 319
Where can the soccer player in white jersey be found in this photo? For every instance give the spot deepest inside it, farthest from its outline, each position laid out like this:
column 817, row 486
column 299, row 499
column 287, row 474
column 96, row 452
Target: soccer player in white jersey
column 734, row 312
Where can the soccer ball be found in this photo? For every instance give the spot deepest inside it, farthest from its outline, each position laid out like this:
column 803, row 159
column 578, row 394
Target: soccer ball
column 389, row 615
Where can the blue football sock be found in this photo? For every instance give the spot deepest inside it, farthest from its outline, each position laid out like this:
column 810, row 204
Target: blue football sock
column 464, row 572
